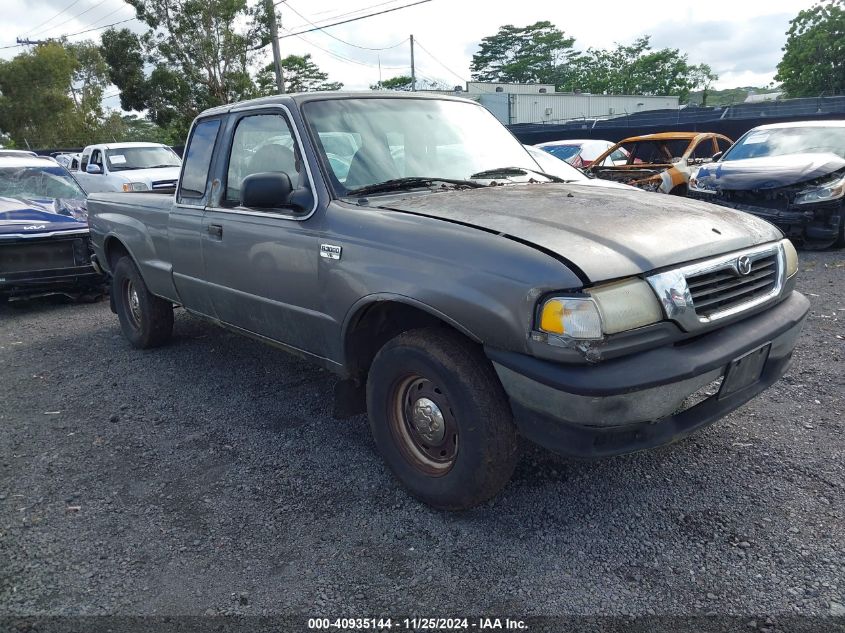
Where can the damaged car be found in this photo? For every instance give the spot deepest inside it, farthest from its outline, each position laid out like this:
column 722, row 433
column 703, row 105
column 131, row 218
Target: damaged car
column 660, row 162
column 45, row 246
column 791, row 174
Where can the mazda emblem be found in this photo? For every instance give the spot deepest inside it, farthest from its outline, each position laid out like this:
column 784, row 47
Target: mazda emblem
column 743, row 265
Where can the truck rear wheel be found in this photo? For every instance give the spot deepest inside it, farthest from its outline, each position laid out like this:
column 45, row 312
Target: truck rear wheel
column 440, row 418
column 146, row 320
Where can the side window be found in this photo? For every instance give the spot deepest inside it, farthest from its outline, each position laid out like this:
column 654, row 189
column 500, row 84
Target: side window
column 97, row 158
column 84, row 162
column 197, row 160
column 724, row 145
column 703, row 151
column 262, row 143
column 74, row 163
column 619, row 156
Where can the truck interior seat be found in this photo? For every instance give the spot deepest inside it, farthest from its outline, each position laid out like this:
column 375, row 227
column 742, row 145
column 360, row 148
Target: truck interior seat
column 273, row 157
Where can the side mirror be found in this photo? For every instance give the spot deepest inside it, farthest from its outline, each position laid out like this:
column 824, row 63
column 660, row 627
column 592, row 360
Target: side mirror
column 266, row 190
column 717, row 156
column 94, row 169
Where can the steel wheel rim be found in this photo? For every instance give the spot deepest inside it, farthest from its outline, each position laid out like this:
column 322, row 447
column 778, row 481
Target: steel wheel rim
column 133, row 303
column 423, row 424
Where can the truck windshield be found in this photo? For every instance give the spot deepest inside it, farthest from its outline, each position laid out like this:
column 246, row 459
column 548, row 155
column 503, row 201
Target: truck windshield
column 125, row 158
column 374, row 140
column 38, row 182
column 788, row 140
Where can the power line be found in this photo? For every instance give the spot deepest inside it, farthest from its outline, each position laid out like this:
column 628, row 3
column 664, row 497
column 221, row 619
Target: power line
column 74, row 17
column 108, row 15
column 366, row 48
column 105, row 26
column 67, row 8
column 342, row 57
column 369, row 15
column 439, row 62
column 98, row 28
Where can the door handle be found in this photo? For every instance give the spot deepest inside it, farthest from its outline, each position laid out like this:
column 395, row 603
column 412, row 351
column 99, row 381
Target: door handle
column 215, row 230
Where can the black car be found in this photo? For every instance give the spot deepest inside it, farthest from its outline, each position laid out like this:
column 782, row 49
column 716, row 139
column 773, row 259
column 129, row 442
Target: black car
column 791, row 174
column 44, row 243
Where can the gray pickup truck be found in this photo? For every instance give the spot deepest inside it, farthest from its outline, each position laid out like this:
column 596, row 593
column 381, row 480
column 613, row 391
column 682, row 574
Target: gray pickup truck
column 411, row 245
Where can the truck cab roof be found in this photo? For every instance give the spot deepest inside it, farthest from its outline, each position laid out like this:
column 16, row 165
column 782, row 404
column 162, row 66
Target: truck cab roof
column 303, row 97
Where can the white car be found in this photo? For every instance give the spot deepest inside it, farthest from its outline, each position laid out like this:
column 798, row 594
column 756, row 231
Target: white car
column 69, row 161
column 582, row 152
column 560, row 168
column 128, row 167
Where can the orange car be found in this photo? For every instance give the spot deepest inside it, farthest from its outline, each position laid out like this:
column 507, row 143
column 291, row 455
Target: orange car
column 661, row 162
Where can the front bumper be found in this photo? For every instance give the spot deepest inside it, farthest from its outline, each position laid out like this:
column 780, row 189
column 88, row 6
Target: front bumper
column 36, row 266
column 70, row 281
column 637, row 401
column 816, row 222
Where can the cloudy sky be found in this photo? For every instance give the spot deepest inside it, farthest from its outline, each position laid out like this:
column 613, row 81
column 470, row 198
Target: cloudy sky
column 741, row 40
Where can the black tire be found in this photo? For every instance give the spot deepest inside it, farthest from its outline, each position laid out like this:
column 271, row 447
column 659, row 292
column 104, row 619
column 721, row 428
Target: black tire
column 479, row 447
column 146, row 320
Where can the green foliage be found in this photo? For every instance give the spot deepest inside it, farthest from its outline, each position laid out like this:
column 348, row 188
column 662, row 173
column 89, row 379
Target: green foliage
column 536, row 53
column 542, row 53
column 301, row 75
column 198, row 54
column 727, row 96
column 51, row 95
column 402, row 83
column 814, row 55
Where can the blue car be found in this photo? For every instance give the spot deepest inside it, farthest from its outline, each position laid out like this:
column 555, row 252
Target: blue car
column 45, row 247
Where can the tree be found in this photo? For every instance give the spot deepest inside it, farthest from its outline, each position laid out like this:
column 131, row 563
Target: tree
column 537, row 53
column 196, row 55
column 51, row 96
column 301, row 75
column 702, row 77
column 541, row 53
column 638, row 69
column 814, row 55
column 402, row 82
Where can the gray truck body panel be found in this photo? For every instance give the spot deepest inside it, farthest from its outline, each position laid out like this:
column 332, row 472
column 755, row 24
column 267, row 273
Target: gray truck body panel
column 478, row 260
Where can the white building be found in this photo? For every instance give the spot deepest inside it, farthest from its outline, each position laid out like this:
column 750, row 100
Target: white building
column 540, row 103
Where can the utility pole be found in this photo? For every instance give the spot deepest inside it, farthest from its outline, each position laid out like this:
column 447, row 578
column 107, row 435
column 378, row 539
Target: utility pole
column 413, row 69
column 277, row 56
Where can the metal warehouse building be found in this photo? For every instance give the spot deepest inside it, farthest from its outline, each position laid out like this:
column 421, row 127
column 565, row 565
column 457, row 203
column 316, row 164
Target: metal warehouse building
column 539, row 103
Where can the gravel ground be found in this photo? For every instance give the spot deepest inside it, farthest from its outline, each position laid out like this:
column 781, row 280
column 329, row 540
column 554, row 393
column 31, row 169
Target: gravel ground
column 208, row 477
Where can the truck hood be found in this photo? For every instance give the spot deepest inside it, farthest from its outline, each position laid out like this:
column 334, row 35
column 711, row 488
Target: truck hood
column 43, row 215
column 606, row 233
column 769, row 172
column 148, row 176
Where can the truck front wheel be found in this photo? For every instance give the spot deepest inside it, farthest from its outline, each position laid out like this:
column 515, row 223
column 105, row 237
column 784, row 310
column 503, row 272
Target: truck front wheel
column 146, row 320
column 440, row 418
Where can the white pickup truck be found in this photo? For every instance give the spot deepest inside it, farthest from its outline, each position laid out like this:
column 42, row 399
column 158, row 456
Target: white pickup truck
column 128, row 167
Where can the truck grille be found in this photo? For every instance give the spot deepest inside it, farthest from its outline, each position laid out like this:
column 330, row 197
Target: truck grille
column 41, row 255
column 725, row 288
column 164, row 184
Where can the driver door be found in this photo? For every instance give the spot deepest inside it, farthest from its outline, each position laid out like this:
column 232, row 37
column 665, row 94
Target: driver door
column 261, row 264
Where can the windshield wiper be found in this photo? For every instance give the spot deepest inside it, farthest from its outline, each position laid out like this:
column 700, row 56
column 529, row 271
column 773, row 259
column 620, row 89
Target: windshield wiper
column 516, row 171
column 398, row 184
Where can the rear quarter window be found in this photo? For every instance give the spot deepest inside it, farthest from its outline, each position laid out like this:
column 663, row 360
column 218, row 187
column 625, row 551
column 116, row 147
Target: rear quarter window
column 197, row 160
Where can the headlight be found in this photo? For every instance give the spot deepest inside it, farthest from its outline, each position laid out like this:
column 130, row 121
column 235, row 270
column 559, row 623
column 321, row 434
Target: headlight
column 609, row 309
column 791, row 257
column 700, row 187
column 135, row 186
column 832, row 190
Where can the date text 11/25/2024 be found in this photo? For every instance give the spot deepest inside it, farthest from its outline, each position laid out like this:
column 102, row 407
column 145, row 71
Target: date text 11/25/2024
column 417, row 624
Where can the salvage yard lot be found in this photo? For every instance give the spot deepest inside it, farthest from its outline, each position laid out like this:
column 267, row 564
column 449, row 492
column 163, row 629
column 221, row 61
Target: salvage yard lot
column 209, row 477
